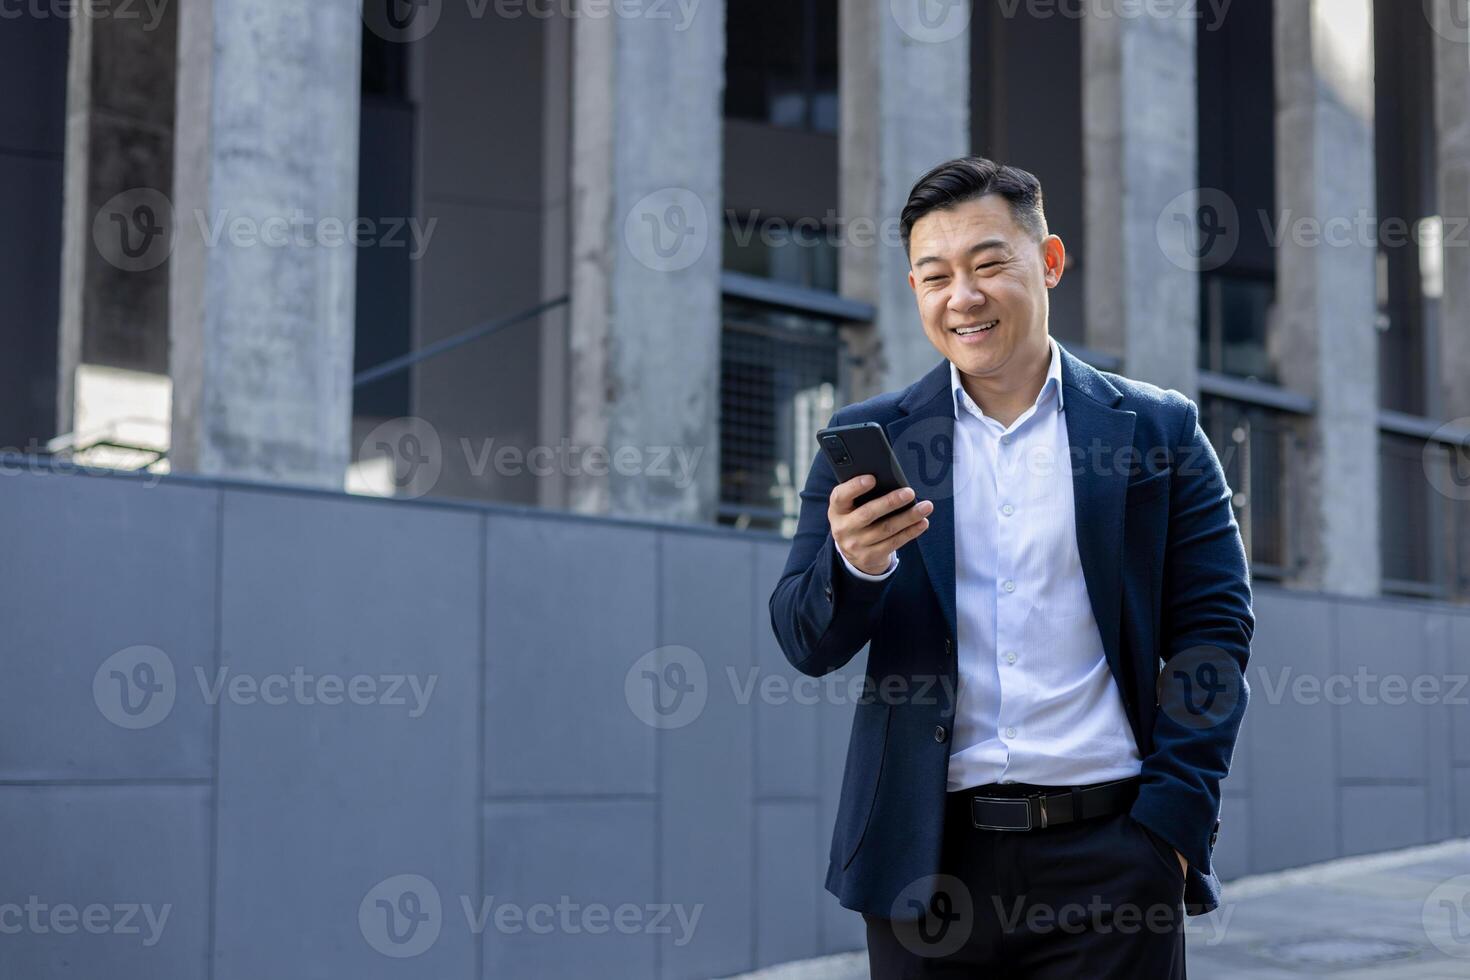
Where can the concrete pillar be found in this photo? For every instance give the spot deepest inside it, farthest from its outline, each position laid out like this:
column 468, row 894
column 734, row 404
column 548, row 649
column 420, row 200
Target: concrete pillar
column 644, row 338
column 112, row 343
column 1327, row 341
column 261, row 297
column 1141, row 197
column 556, row 102
column 1452, row 116
column 904, row 95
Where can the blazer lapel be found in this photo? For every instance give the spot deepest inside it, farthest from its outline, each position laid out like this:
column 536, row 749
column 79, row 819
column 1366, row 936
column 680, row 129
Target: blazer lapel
column 1098, row 436
column 923, row 441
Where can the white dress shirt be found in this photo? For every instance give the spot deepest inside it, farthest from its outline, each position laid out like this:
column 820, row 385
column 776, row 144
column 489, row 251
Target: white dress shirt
column 1036, row 700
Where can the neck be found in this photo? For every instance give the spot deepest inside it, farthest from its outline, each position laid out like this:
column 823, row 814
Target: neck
column 1005, row 396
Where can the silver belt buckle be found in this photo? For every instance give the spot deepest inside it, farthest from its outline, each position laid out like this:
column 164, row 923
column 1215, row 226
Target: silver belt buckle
column 1024, row 803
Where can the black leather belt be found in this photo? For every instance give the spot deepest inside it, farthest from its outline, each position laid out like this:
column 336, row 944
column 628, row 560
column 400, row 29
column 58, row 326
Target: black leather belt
column 1022, row 807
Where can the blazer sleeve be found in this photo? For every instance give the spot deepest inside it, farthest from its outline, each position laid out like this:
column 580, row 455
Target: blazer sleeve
column 821, row 614
column 1207, row 624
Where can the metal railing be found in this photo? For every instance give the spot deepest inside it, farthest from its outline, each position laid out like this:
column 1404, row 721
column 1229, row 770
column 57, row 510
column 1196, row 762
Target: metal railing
column 467, row 336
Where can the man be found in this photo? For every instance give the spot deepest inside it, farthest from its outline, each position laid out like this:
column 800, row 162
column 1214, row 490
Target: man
column 1026, row 791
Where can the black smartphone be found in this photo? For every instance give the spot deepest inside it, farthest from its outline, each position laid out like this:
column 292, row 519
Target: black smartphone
column 863, row 448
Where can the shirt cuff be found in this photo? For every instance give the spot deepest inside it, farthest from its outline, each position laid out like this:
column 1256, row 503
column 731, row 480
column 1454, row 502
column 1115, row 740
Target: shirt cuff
column 858, row 573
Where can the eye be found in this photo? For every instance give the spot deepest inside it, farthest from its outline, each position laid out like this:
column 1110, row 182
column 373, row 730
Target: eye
column 987, row 265
column 936, row 278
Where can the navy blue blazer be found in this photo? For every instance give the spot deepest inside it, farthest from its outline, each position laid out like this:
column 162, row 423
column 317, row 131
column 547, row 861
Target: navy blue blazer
column 1166, row 575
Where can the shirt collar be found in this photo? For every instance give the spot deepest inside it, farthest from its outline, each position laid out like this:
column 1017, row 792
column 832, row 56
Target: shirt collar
column 1053, row 381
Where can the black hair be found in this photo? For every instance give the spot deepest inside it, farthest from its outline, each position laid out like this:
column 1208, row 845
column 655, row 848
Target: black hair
column 966, row 178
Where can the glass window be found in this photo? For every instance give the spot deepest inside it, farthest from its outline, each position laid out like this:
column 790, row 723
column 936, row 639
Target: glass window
column 1235, row 324
column 1237, row 157
column 779, row 384
column 802, row 252
column 1425, row 526
column 781, row 63
column 1407, row 202
column 1252, row 443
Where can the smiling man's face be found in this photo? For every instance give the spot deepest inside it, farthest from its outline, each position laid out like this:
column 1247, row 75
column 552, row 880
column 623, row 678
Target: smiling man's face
column 981, row 283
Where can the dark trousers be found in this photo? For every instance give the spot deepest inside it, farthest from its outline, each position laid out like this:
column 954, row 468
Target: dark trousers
column 1097, row 899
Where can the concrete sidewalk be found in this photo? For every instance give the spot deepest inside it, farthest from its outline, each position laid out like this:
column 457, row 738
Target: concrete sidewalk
column 1400, row 914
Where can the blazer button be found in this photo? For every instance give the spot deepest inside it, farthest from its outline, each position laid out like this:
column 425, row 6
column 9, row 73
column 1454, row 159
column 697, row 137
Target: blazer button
column 939, row 733
column 828, row 591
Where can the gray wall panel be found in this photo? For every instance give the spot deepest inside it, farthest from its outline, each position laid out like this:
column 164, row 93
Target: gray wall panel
column 1438, row 717
column 93, row 570
column 539, row 769
column 1461, row 804
column 785, row 729
column 590, row 858
column 1292, row 745
column 1458, row 665
column 571, row 606
column 1382, row 818
column 1380, row 652
column 126, row 848
column 706, row 848
column 788, row 851
column 320, row 802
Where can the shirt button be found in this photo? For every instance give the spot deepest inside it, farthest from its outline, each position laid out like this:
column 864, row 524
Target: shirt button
column 1008, row 510
column 1008, row 585
column 1011, row 657
column 1010, row 733
column 1005, row 440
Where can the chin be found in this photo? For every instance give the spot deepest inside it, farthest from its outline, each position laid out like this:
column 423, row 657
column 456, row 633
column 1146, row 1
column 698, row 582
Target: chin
column 978, row 361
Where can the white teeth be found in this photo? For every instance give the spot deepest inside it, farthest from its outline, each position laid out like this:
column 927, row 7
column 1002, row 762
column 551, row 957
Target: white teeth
column 966, row 331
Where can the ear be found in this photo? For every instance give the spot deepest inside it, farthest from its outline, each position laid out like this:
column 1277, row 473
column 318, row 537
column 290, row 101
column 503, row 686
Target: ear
column 1054, row 255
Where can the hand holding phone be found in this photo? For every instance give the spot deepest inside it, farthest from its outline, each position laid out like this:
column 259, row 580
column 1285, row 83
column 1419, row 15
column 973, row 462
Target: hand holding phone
column 872, row 512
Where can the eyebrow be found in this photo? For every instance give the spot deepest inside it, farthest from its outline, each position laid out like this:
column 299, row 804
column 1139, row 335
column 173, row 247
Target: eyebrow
column 975, row 249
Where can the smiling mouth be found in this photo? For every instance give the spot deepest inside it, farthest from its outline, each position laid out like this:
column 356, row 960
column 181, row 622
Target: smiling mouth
column 977, row 328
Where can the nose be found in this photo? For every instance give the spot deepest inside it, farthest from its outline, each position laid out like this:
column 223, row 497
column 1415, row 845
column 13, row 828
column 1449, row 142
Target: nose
column 965, row 298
